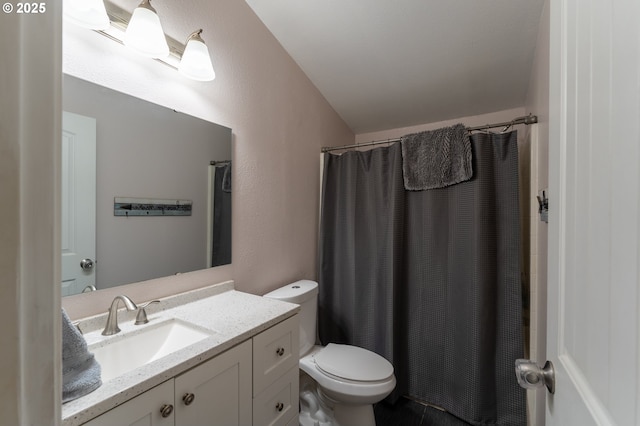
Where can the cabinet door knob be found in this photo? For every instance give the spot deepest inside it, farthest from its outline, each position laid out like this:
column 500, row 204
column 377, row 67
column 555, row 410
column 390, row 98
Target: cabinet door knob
column 279, row 406
column 188, row 398
column 280, row 351
column 166, row 410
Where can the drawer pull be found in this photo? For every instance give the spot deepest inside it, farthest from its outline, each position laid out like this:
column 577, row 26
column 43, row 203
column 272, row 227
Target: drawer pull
column 166, row 410
column 279, row 406
column 188, row 398
column 280, row 351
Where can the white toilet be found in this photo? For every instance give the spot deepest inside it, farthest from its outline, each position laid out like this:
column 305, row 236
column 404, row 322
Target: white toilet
column 338, row 383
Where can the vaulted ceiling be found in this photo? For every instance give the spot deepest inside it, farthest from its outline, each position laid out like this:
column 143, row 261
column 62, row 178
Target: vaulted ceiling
column 385, row 64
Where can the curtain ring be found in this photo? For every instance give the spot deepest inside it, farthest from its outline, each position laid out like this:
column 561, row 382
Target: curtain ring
column 507, row 127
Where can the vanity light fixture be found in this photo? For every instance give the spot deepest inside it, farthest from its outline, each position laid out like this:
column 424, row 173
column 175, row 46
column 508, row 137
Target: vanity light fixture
column 89, row 14
column 142, row 32
column 196, row 62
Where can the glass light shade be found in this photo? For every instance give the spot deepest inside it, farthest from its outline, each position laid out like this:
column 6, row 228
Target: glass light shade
column 144, row 33
column 196, row 62
column 86, row 13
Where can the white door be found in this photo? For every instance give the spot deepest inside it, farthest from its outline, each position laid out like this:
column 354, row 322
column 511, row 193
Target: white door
column 594, row 229
column 78, row 209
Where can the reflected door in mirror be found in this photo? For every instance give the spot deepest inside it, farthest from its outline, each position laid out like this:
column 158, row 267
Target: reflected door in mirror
column 78, row 209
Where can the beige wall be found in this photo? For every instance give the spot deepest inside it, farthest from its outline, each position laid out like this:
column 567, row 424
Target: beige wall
column 279, row 121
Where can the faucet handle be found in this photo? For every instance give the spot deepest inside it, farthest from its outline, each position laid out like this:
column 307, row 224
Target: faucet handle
column 141, row 318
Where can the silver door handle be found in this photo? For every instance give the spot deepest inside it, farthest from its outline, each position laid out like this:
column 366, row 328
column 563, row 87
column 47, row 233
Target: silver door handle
column 86, row 264
column 530, row 375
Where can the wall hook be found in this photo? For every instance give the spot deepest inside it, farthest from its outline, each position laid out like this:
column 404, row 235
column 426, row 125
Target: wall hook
column 543, row 206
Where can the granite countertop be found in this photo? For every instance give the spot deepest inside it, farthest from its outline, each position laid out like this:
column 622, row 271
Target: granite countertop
column 230, row 315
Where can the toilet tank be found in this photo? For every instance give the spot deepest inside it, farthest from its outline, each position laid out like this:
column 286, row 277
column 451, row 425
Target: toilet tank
column 305, row 294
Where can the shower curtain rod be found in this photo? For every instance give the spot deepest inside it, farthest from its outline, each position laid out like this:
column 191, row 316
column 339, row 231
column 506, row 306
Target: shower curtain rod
column 529, row 119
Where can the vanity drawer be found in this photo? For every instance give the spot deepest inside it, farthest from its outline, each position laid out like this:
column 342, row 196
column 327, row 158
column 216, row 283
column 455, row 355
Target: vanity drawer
column 275, row 351
column 278, row 403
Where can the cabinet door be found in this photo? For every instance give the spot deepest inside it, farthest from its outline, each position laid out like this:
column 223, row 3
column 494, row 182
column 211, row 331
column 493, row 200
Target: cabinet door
column 217, row 392
column 143, row 410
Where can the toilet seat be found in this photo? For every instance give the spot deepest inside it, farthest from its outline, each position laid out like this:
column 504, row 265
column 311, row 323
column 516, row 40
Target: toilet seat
column 353, row 363
column 346, row 390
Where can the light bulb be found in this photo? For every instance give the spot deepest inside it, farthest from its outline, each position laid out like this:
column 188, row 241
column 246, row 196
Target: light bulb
column 144, row 33
column 196, row 62
column 86, row 13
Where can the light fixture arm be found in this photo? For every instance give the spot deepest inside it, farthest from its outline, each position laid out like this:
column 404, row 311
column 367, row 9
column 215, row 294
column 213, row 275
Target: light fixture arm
column 146, row 4
column 195, row 36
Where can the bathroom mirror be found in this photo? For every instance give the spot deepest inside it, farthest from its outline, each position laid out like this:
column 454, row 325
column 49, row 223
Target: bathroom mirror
column 162, row 189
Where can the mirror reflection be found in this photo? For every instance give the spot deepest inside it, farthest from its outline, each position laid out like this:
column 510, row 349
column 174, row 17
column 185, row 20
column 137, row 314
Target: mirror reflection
column 117, row 147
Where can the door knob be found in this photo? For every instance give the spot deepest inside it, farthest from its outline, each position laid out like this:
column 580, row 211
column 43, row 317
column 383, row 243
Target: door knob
column 530, row 375
column 86, row 264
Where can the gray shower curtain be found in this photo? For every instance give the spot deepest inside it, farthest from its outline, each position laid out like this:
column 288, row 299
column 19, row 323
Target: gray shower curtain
column 428, row 279
column 221, row 232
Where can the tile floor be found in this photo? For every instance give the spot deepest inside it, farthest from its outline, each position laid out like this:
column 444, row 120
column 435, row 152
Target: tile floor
column 406, row 412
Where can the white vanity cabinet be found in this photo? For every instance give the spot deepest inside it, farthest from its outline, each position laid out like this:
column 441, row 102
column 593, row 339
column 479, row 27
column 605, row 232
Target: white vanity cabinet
column 255, row 382
column 216, row 392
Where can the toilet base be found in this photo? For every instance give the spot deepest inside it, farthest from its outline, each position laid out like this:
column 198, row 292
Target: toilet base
column 356, row 415
column 317, row 409
column 361, row 416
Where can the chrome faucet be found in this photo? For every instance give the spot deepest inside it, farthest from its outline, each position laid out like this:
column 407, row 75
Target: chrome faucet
column 112, row 319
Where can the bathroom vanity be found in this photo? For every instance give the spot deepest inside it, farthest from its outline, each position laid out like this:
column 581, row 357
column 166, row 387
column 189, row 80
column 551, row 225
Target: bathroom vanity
column 242, row 369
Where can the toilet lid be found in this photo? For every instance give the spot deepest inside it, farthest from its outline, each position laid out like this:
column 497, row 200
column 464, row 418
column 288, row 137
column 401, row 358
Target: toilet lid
column 353, row 363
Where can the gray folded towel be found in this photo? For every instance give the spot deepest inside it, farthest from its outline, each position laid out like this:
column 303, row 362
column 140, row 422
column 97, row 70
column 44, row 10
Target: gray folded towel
column 80, row 370
column 436, row 158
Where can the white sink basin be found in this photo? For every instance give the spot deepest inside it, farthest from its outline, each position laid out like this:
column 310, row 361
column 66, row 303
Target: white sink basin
column 139, row 347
